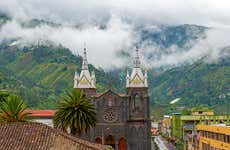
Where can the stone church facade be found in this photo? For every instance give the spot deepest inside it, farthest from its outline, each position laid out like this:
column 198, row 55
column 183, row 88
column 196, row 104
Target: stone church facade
column 123, row 119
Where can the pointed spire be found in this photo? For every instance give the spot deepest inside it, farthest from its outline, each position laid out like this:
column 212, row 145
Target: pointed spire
column 137, row 61
column 76, row 74
column 127, row 79
column 146, row 75
column 93, row 79
column 76, row 77
column 85, row 62
column 85, row 80
column 93, row 74
column 137, row 78
column 127, row 74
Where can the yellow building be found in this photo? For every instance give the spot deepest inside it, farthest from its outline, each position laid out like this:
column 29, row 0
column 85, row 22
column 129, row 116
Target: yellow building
column 166, row 125
column 208, row 113
column 214, row 137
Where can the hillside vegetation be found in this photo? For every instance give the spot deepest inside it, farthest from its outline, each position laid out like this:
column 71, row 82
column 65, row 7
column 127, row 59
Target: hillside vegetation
column 40, row 74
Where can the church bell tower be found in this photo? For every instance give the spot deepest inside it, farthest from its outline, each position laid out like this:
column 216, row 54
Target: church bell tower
column 137, row 90
column 138, row 106
column 85, row 81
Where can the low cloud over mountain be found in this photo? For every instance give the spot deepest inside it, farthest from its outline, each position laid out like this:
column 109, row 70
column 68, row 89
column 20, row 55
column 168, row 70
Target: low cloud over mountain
column 109, row 27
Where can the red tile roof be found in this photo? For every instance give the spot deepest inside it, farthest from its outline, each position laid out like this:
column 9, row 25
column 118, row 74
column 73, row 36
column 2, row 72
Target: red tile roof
column 42, row 113
column 98, row 94
column 122, row 95
column 37, row 136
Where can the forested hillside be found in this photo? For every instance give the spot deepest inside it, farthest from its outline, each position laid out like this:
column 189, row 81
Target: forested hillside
column 197, row 85
column 40, row 74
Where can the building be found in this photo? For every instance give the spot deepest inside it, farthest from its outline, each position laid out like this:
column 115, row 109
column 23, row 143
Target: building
column 207, row 113
column 213, row 137
column 166, row 125
column 42, row 116
column 37, row 136
column 183, row 123
column 184, row 126
column 155, row 126
column 123, row 119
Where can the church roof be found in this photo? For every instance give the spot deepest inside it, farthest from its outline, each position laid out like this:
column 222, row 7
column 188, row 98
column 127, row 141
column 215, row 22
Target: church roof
column 118, row 94
column 37, row 136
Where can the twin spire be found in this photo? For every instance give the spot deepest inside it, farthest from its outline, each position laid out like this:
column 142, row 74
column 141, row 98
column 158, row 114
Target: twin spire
column 136, row 79
column 88, row 81
column 85, row 80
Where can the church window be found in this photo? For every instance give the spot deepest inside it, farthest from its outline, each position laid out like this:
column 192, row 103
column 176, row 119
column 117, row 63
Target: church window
column 136, row 101
column 110, row 102
column 110, row 115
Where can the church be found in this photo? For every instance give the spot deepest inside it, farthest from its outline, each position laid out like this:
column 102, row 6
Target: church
column 123, row 119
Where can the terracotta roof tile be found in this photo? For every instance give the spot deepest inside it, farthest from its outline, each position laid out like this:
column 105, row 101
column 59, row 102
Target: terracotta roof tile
column 42, row 113
column 36, row 136
column 98, row 94
column 122, row 95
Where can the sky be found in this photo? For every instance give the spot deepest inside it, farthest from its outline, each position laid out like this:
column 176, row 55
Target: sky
column 120, row 19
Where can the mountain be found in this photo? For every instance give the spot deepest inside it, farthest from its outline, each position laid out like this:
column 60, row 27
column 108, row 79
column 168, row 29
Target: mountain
column 200, row 84
column 40, row 74
column 167, row 36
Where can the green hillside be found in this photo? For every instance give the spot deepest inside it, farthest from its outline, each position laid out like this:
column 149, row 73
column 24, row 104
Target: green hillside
column 43, row 73
column 200, row 84
column 40, row 74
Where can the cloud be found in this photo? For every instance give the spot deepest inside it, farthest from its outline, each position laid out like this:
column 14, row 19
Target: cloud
column 205, row 12
column 211, row 48
column 102, row 44
column 120, row 19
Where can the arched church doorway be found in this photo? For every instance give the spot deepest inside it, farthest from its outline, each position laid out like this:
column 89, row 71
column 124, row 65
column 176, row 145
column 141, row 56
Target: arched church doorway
column 122, row 144
column 110, row 141
column 98, row 140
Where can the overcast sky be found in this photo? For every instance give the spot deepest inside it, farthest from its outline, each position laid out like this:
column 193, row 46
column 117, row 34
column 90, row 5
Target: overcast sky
column 204, row 12
column 120, row 17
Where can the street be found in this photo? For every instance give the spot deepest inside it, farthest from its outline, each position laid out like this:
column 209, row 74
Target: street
column 160, row 143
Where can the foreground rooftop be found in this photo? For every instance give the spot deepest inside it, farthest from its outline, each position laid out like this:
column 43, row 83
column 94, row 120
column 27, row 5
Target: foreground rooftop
column 37, row 136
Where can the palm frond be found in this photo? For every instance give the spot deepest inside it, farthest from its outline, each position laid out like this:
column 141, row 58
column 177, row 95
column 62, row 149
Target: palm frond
column 13, row 110
column 75, row 111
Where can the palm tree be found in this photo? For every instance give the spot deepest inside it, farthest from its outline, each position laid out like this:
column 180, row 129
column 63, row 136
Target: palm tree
column 75, row 111
column 13, row 109
column 3, row 95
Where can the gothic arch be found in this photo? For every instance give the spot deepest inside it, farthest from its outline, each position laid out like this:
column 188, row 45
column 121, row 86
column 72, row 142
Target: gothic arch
column 141, row 132
column 122, row 144
column 98, row 140
column 137, row 101
column 110, row 141
column 133, row 132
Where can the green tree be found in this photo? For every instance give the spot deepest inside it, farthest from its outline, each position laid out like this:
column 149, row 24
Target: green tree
column 75, row 111
column 13, row 109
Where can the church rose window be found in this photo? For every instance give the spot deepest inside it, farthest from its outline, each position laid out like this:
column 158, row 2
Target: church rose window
column 110, row 115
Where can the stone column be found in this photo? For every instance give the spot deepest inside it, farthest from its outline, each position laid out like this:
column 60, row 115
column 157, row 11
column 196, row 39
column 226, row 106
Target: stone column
column 116, row 145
